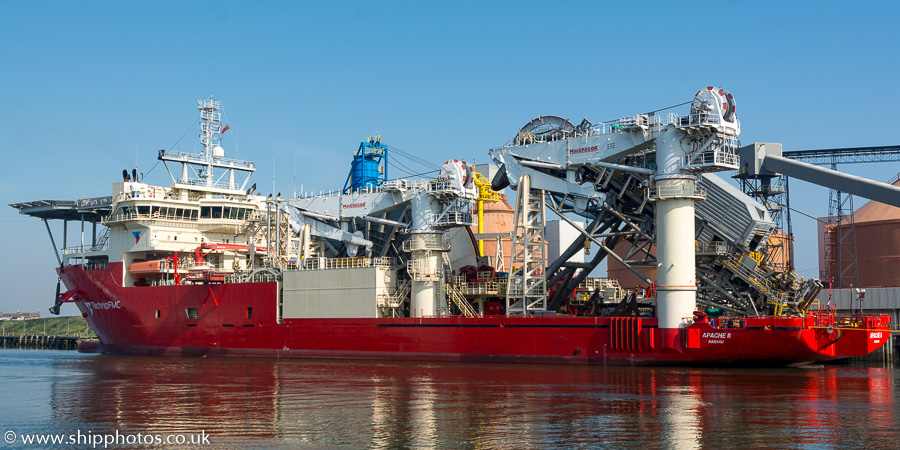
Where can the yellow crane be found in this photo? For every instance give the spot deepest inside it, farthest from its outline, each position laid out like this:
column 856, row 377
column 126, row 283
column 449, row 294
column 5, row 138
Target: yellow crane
column 485, row 195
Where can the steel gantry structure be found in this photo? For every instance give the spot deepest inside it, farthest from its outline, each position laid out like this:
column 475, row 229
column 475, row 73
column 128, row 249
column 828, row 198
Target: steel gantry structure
column 772, row 192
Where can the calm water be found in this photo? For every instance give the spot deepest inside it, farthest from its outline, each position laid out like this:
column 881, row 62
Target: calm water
column 325, row 404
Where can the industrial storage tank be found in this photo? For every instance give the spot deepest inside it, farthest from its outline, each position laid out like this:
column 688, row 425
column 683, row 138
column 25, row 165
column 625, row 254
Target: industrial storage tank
column 780, row 251
column 877, row 246
column 498, row 218
column 369, row 166
column 627, row 279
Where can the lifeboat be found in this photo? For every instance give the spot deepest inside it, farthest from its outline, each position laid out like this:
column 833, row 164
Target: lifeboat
column 150, row 268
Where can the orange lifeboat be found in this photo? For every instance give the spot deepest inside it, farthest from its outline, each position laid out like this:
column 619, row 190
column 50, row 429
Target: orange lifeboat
column 149, row 268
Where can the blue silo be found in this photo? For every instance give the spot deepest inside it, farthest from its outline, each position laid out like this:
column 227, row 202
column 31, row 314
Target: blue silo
column 369, row 166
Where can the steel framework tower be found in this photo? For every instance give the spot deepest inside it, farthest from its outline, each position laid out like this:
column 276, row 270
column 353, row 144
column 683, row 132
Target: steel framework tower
column 773, row 192
column 527, row 290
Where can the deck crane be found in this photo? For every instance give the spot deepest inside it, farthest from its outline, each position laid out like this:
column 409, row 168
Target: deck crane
column 637, row 180
column 665, row 155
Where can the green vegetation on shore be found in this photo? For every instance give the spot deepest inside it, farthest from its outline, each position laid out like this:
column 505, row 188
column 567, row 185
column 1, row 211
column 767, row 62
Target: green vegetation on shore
column 48, row 326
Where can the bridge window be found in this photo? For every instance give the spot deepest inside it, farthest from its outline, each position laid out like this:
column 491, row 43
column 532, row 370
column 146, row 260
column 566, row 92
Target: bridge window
column 192, row 313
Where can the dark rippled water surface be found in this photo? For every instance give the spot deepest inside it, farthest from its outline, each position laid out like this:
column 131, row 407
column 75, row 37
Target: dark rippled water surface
column 356, row 404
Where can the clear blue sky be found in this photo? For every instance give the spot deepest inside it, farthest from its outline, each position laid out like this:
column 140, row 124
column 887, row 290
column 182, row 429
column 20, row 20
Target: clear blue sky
column 86, row 87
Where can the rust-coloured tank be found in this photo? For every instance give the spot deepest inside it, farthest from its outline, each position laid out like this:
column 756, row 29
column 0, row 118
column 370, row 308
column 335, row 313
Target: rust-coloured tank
column 627, row 278
column 498, row 218
column 779, row 251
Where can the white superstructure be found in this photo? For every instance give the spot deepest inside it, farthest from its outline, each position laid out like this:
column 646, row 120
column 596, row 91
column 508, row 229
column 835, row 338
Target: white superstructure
column 204, row 226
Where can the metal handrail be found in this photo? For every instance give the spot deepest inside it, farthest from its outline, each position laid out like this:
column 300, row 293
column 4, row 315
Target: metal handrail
column 454, row 218
column 713, row 157
column 199, row 157
column 425, row 242
column 711, row 248
column 749, row 275
column 96, row 201
column 346, row 263
column 677, row 191
column 121, row 217
column 85, row 248
column 423, row 269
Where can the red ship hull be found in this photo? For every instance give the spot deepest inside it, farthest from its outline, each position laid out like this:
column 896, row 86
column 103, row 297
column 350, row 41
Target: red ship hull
column 154, row 321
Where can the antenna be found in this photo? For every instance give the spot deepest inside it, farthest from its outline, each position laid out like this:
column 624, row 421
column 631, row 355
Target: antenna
column 212, row 155
column 210, row 121
column 295, row 175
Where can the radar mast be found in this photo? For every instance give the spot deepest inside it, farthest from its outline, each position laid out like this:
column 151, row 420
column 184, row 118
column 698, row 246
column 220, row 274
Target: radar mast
column 202, row 166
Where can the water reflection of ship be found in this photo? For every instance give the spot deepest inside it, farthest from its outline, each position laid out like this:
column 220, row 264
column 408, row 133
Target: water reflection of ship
column 172, row 396
column 312, row 403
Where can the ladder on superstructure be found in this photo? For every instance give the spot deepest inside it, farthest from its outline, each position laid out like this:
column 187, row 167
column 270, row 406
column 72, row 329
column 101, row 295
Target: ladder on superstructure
column 527, row 289
column 457, row 297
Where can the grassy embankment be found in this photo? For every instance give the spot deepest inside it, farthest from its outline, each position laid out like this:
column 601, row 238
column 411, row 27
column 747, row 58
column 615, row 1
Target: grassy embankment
column 49, row 326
